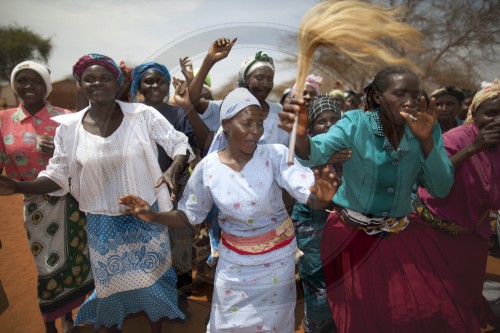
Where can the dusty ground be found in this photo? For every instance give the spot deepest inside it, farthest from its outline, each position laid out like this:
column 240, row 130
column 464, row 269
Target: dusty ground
column 18, row 277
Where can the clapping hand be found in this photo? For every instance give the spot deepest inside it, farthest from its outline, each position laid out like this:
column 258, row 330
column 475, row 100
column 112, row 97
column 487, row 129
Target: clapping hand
column 47, row 145
column 138, row 207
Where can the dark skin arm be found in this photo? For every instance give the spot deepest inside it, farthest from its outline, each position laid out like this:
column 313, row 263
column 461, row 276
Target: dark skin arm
column 141, row 209
column 287, row 117
column 169, row 177
column 218, row 51
column 422, row 126
column 41, row 185
column 322, row 191
column 202, row 133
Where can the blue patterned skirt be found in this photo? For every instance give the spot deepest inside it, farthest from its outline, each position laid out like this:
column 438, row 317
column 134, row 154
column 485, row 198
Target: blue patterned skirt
column 132, row 271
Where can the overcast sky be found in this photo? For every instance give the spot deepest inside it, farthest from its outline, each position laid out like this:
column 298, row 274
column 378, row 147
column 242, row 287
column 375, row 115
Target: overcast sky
column 164, row 31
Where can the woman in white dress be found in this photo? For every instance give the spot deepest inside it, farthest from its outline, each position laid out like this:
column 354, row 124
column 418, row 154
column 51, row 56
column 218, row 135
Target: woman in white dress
column 101, row 153
column 254, row 288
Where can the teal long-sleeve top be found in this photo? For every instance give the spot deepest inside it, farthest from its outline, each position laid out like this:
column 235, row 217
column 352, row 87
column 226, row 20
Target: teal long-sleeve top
column 377, row 180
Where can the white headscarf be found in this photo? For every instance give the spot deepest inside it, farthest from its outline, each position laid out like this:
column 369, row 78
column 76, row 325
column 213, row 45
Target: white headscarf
column 260, row 59
column 233, row 103
column 42, row 70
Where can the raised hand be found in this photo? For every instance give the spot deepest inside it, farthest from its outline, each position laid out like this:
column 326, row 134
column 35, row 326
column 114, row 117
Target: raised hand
column 220, row 49
column 287, row 117
column 422, row 123
column 138, row 207
column 181, row 96
column 187, row 68
column 325, row 185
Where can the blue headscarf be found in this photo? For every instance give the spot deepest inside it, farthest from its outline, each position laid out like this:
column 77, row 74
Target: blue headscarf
column 139, row 72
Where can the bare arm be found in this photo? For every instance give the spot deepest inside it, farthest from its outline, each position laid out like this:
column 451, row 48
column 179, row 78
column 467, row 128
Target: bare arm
column 40, row 185
column 201, row 131
column 287, row 117
column 218, row 51
column 141, row 209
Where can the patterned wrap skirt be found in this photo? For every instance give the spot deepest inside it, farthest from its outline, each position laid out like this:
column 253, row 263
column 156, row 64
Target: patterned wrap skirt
column 56, row 234
column 132, row 269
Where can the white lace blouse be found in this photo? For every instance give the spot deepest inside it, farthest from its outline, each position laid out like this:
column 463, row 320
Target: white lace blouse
column 98, row 171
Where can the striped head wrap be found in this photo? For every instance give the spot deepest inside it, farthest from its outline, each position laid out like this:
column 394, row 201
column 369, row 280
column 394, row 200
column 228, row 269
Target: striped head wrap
column 321, row 104
column 139, row 72
column 260, row 59
column 489, row 91
column 97, row 59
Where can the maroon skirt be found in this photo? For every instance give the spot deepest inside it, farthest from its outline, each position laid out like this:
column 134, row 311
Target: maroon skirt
column 406, row 282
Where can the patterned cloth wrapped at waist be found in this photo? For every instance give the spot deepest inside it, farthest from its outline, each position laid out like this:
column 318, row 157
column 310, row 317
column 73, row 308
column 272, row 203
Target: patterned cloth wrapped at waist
column 373, row 225
column 270, row 241
column 449, row 227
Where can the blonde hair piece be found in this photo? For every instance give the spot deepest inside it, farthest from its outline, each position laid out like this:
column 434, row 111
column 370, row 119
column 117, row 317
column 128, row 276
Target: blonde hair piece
column 358, row 30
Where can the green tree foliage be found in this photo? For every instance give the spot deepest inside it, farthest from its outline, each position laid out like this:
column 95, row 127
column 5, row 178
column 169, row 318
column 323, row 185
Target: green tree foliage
column 18, row 44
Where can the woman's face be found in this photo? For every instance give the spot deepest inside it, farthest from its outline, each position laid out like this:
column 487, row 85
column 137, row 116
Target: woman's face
column 323, row 122
column 245, row 129
column 99, row 85
column 401, row 95
column 30, row 87
column 487, row 112
column 154, row 87
column 309, row 94
column 260, row 83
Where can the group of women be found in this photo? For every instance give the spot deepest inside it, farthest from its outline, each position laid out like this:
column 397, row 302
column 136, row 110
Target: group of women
column 383, row 267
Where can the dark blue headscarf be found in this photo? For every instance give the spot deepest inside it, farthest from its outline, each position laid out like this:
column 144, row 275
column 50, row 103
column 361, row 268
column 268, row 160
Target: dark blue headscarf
column 138, row 73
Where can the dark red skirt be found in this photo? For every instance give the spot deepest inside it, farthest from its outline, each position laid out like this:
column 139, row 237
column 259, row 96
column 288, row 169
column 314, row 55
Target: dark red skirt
column 418, row 280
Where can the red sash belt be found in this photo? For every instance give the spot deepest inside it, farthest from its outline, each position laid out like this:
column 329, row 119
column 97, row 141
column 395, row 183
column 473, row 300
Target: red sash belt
column 270, row 241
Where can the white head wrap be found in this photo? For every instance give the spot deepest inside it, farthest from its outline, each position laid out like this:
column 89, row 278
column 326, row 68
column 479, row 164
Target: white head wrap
column 260, row 59
column 233, row 103
column 42, row 70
